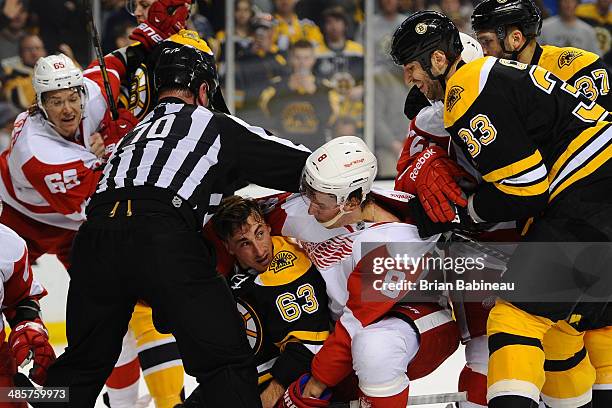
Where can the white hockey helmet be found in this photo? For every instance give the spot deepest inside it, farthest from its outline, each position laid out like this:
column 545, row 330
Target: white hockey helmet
column 56, row 72
column 472, row 50
column 340, row 167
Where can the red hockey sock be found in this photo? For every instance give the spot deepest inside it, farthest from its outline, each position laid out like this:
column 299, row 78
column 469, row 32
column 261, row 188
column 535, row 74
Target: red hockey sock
column 394, row 401
column 475, row 384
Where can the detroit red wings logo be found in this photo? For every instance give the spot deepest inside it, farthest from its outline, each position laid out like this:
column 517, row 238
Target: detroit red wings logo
column 567, row 57
column 330, row 252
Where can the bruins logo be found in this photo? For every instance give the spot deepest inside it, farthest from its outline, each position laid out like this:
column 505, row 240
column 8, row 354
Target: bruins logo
column 420, row 28
column 140, row 92
column 282, row 260
column 567, row 57
column 252, row 325
column 454, row 95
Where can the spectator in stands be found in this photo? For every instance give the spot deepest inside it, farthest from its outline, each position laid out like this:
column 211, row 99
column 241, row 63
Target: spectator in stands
column 17, row 79
column 115, row 18
column 337, row 53
column 567, row 30
column 598, row 15
column 346, row 100
column 257, row 69
column 8, row 114
column 345, row 126
column 121, row 34
column 243, row 14
column 17, row 14
column 458, row 12
column 389, row 92
column 288, row 28
column 298, row 107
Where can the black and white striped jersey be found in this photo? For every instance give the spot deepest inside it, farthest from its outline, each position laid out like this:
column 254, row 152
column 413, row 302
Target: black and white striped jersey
column 199, row 155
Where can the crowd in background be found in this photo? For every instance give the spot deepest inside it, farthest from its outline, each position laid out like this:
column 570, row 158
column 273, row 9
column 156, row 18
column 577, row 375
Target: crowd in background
column 299, row 63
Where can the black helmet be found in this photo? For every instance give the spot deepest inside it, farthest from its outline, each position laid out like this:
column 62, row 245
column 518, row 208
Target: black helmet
column 496, row 15
column 421, row 34
column 187, row 67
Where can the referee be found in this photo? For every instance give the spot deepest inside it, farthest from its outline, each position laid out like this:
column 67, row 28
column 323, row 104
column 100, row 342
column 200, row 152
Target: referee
column 142, row 239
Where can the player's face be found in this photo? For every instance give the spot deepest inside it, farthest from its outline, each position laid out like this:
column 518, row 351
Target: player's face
column 64, row 110
column 415, row 75
column 490, row 44
column 252, row 245
column 322, row 206
column 141, row 9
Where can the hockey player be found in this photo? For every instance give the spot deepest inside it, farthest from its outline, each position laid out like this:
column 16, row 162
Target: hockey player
column 280, row 295
column 510, row 30
column 426, row 134
column 439, row 60
column 20, row 294
column 385, row 342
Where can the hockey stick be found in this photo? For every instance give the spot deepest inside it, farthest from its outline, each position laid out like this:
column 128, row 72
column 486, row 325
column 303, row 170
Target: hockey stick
column 100, row 58
column 479, row 246
column 416, row 400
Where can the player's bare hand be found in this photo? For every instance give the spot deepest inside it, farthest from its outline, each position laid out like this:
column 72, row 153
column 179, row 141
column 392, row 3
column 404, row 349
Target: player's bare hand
column 97, row 145
column 314, row 388
column 271, row 395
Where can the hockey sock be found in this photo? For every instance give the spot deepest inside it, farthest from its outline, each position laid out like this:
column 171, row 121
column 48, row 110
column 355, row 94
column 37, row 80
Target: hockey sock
column 394, row 401
column 476, row 386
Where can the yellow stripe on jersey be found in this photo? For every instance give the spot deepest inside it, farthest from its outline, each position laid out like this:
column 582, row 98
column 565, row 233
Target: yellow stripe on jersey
column 301, row 335
column 515, row 168
column 530, row 190
column 263, row 378
column 565, row 62
column 289, row 263
column 578, row 142
column 458, row 99
column 583, row 171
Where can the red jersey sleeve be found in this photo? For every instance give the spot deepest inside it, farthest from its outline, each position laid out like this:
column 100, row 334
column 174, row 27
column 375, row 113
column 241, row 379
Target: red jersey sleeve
column 116, row 69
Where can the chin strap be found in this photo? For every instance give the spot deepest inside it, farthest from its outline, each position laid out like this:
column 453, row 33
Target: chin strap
column 331, row 222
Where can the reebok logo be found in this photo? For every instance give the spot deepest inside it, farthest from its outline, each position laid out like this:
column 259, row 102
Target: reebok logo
column 429, row 153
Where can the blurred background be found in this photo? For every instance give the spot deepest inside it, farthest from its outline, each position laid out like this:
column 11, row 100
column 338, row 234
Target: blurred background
column 307, row 70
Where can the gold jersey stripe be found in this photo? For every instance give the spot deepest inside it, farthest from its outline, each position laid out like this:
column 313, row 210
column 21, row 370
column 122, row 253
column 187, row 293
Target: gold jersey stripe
column 310, row 336
column 514, row 168
column 531, row 190
column 584, row 171
column 573, row 147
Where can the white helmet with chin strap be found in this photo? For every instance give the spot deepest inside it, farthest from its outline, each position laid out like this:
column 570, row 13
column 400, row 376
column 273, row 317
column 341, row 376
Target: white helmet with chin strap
column 472, row 50
column 340, row 167
column 56, row 72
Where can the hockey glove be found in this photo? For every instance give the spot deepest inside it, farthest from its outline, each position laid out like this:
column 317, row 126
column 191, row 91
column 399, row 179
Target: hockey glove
column 292, row 398
column 165, row 17
column 112, row 131
column 30, row 340
column 435, row 175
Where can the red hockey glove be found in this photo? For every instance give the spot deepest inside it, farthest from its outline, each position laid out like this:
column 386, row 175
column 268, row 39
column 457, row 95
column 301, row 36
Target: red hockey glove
column 112, row 131
column 292, row 398
column 165, row 17
column 435, row 175
column 30, row 339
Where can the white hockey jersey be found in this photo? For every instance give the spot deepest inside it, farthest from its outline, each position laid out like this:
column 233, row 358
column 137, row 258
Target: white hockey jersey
column 47, row 177
column 15, row 273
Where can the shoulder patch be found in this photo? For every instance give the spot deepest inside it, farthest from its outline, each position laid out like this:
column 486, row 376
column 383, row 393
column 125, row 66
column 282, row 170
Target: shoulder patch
column 567, row 57
column 454, row 95
column 282, row 260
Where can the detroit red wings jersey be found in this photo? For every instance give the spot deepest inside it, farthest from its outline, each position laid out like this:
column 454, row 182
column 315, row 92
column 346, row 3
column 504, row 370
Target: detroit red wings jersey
column 47, row 177
column 15, row 272
column 345, row 262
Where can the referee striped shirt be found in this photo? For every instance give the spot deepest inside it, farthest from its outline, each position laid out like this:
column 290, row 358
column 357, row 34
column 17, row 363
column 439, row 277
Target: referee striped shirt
column 200, row 155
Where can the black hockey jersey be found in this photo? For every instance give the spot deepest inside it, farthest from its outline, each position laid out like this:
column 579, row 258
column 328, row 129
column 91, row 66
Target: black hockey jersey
column 531, row 135
column 285, row 312
column 582, row 69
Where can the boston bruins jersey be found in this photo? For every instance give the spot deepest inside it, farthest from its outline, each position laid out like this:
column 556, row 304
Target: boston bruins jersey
column 582, row 69
column 284, row 311
column 533, row 141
